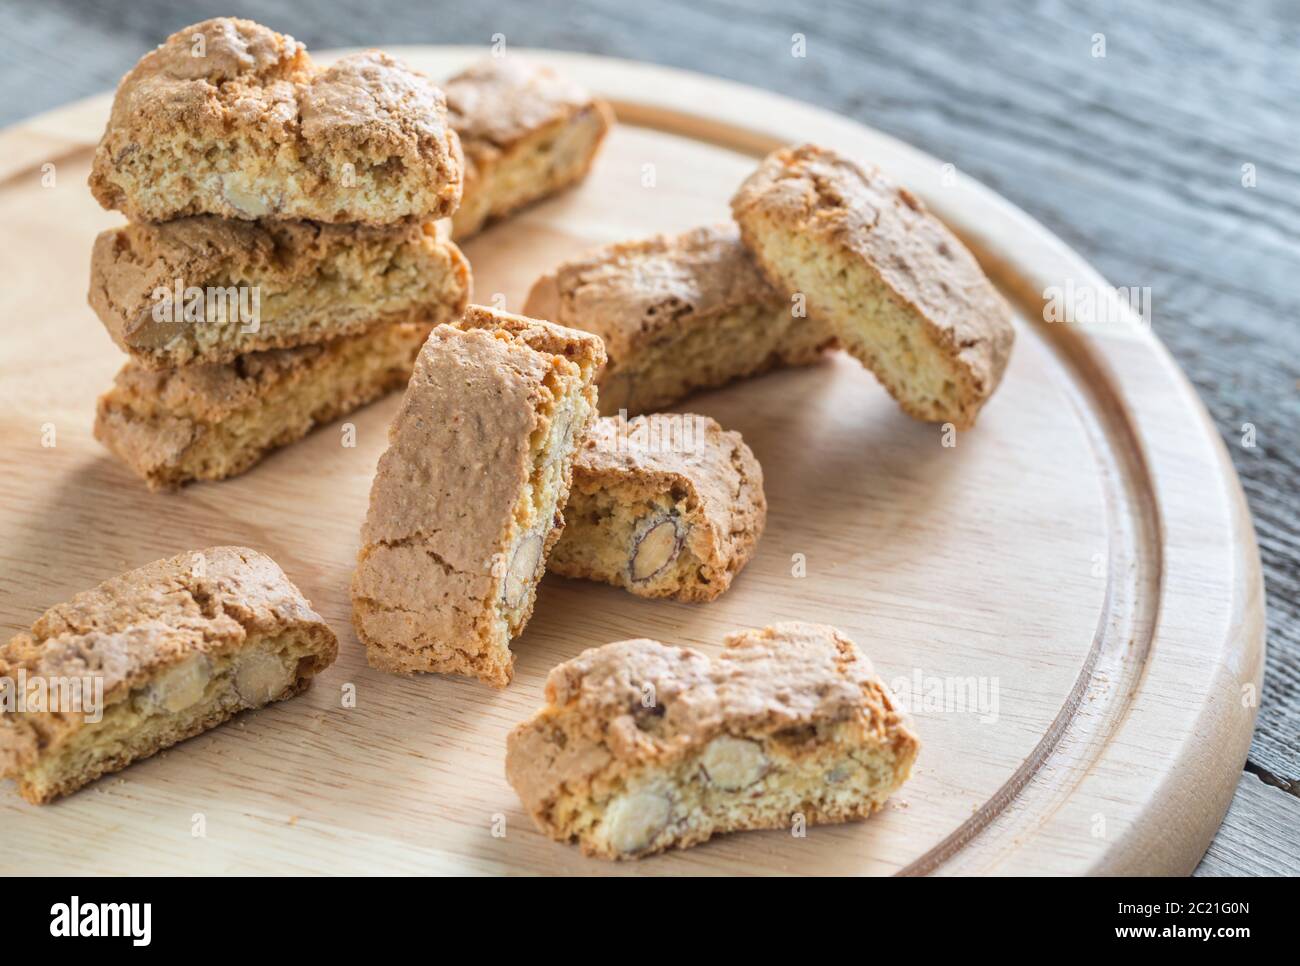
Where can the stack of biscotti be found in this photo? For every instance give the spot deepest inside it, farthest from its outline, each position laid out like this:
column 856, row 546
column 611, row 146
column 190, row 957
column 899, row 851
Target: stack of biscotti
column 288, row 251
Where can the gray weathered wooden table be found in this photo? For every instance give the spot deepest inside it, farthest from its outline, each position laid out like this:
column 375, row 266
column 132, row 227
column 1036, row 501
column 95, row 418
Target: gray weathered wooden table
column 1137, row 158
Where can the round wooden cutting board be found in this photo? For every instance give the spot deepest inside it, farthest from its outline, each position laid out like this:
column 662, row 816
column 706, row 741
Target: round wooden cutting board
column 1068, row 598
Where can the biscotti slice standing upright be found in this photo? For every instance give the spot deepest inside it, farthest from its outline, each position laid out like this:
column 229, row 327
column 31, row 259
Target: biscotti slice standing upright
column 526, row 133
column 207, row 289
column 215, row 420
column 677, row 314
column 665, row 505
column 643, row 747
column 149, row 658
column 230, row 118
column 466, row 503
column 897, row 288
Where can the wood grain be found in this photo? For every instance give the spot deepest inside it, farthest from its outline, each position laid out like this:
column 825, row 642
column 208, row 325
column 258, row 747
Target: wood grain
column 1086, row 550
column 1256, row 834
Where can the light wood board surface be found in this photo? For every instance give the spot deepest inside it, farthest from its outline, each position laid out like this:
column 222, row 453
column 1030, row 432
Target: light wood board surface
column 1083, row 555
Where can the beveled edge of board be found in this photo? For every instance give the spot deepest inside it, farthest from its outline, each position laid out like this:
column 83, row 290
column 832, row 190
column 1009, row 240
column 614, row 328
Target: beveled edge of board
column 1184, row 613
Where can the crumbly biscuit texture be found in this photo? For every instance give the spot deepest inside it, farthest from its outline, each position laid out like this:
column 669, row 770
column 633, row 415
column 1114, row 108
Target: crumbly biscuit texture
column 466, row 503
column 177, row 646
column 643, row 747
column 677, row 314
column 666, row 505
column 526, row 133
column 230, row 118
column 898, row 289
column 214, row 421
column 207, row 289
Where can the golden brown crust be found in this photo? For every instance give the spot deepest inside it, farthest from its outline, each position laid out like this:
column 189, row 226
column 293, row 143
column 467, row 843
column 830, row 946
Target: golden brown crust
column 655, row 300
column 631, row 293
column 539, row 335
column 811, row 193
column 364, row 140
column 210, row 422
column 629, row 714
column 500, row 101
column 526, row 133
column 682, row 466
column 478, row 460
column 271, row 285
column 134, row 627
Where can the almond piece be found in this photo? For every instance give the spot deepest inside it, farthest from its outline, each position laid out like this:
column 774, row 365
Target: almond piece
column 654, row 547
column 177, row 688
column 260, row 677
column 243, row 197
column 523, row 565
column 633, row 820
column 733, row 763
column 561, row 427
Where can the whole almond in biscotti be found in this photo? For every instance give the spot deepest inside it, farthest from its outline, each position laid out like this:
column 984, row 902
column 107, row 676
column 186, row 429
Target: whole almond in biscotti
column 666, row 505
column 896, row 287
column 230, row 118
column 154, row 656
column 466, row 503
column 643, row 747
column 677, row 314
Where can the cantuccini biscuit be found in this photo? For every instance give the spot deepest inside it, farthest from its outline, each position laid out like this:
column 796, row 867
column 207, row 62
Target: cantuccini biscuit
column 466, row 503
column 665, row 505
column 677, row 314
column 896, row 287
column 207, row 289
column 230, row 118
column 213, row 421
column 149, row 658
column 643, row 747
column 526, row 133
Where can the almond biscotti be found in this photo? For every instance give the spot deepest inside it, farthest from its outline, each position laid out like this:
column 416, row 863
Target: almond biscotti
column 230, row 118
column 150, row 658
column 526, row 133
column 897, row 288
column 677, row 314
column 210, row 422
column 643, row 747
column 466, row 503
column 664, row 505
column 207, row 289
